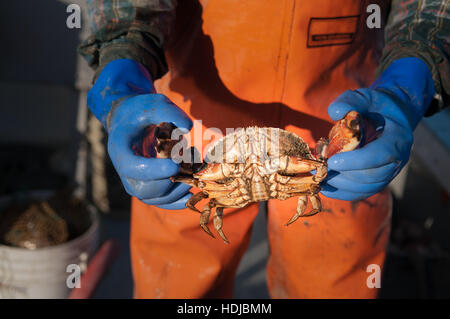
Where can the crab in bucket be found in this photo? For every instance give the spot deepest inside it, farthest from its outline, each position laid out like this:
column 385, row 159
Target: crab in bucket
column 257, row 164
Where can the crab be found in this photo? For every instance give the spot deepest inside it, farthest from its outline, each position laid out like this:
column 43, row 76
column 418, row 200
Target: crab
column 261, row 163
column 255, row 164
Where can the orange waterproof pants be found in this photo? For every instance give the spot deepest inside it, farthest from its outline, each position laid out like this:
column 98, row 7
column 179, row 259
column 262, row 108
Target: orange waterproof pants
column 280, row 64
column 321, row 257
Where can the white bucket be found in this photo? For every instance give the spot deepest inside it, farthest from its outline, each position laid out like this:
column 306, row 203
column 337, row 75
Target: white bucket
column 44, row 272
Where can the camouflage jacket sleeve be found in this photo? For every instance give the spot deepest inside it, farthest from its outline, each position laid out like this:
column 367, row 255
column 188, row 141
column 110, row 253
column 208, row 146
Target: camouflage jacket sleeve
column 128, row 29
column 421, row 28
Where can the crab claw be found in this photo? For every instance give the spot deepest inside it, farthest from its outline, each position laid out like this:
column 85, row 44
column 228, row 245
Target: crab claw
column 156, row 141
column 344, row 136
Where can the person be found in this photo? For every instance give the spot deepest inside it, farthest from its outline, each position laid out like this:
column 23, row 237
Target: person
column 233, row 63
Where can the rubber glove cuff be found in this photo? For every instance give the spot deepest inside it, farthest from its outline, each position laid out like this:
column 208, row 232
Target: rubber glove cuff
column 415, row 92
column 119, row 79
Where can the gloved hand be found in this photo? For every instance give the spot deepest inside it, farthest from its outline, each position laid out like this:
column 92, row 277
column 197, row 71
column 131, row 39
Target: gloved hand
column 400, row 97
column 124, row 100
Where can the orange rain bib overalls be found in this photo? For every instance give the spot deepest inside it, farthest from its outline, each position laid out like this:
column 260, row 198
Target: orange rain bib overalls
column 236, row 63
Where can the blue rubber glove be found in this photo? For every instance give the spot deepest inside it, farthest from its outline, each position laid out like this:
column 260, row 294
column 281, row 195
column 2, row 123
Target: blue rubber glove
column 400, row 98
column 124, row 100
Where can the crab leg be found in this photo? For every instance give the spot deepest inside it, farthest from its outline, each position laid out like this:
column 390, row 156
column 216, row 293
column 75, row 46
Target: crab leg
column 277, row 189
column 321, row 173
column 285, row 180
column 239, row 192
column 194, row 200
column 204, row 217
column 218, row 221
column 230, row 190
column 316, row 205
column 208, row 186
column 280, row 179
column 227, row 202
column 301, row 207
column 295, row 165
column 305, row 188
column 217, row 171
column 212, row 186
column 183, row 179
column 286, row 195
